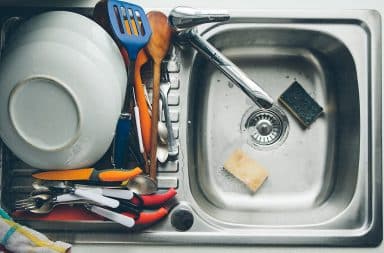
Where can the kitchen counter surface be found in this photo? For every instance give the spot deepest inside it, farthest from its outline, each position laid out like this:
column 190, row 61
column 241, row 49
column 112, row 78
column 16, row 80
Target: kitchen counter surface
column 166, row 5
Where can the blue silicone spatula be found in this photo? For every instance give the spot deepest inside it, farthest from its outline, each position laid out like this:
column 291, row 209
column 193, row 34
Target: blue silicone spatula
column 130, row 26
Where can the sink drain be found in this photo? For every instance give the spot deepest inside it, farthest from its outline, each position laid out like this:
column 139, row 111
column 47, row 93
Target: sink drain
column 265, row 128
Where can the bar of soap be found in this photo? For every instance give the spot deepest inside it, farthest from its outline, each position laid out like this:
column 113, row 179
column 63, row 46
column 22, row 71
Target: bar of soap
column 247, row 170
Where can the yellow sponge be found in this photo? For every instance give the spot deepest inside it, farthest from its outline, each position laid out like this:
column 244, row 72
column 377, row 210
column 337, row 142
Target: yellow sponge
column 246, row 169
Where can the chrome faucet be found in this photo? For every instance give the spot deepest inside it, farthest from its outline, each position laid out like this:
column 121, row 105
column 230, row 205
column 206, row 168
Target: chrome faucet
column 184, row 19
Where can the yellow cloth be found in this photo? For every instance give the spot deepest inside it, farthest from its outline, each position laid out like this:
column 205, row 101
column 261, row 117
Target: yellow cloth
column 27, row 240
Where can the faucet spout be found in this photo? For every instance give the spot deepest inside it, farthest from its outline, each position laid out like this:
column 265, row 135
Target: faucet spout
column 229, row 69
column 183, row 19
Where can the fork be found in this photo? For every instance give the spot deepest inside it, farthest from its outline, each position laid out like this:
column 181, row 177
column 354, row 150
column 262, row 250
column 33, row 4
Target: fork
column 44, row 203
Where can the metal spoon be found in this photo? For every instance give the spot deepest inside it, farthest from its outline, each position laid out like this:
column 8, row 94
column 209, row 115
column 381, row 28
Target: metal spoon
column 172, row 145
column 162, row 152
column 142, row 185
column 162, row 144
column 163, row 132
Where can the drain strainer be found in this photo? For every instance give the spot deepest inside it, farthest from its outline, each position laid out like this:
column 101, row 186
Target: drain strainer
column 265, row 127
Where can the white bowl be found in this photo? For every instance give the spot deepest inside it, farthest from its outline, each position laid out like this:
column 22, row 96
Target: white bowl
column 60, row 101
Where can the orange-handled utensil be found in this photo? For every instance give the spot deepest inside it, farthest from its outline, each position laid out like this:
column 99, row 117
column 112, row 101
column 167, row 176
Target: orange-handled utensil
column 145, row 118
column 89, row 174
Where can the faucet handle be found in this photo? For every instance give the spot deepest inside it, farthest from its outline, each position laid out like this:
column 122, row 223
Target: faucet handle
column 181, row 17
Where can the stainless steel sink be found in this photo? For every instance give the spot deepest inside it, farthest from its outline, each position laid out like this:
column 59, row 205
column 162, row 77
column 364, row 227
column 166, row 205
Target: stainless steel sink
column 324, row 186
column 325, row 182
column 314, row 173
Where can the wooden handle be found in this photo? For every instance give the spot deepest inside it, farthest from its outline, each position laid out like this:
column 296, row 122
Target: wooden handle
column 155, row 118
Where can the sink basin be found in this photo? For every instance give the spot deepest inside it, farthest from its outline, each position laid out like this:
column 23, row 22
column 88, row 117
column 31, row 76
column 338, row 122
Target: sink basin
column 325, row 182
column 313, row 174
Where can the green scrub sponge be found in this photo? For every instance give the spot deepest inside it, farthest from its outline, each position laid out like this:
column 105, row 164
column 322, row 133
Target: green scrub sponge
column 301, row 104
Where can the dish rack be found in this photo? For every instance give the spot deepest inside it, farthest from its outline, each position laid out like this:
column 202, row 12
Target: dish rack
column 15, row 175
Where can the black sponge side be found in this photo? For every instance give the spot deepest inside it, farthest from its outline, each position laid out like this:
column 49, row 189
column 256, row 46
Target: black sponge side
column 301, row 104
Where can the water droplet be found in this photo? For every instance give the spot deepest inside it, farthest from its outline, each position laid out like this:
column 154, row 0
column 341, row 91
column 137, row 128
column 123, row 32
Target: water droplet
column 230, row 84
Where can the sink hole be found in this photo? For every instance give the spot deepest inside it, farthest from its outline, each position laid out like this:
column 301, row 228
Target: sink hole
column 265, row 128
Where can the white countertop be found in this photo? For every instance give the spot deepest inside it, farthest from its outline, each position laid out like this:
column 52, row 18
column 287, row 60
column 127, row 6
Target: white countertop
column 229, row 4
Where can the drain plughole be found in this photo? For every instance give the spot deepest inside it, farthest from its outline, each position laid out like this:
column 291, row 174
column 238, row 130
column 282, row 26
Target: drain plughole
column 265, row 128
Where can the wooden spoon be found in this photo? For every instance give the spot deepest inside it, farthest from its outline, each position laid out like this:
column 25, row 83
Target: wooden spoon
column 157, row 48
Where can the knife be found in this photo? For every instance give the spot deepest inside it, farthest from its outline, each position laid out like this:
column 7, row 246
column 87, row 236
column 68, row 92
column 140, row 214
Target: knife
column 89, row 174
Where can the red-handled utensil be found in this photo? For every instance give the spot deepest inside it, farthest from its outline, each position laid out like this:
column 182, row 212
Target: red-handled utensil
column 153, row 199
column 146, row 218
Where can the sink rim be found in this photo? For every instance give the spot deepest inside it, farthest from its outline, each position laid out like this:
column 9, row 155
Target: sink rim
column 205, row 233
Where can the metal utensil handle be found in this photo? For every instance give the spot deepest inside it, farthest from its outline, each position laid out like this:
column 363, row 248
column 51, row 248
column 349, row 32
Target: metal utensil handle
column 97, row 198
column 172, row 145
column 113, row 216
column 230, row 70
column 186, row 17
